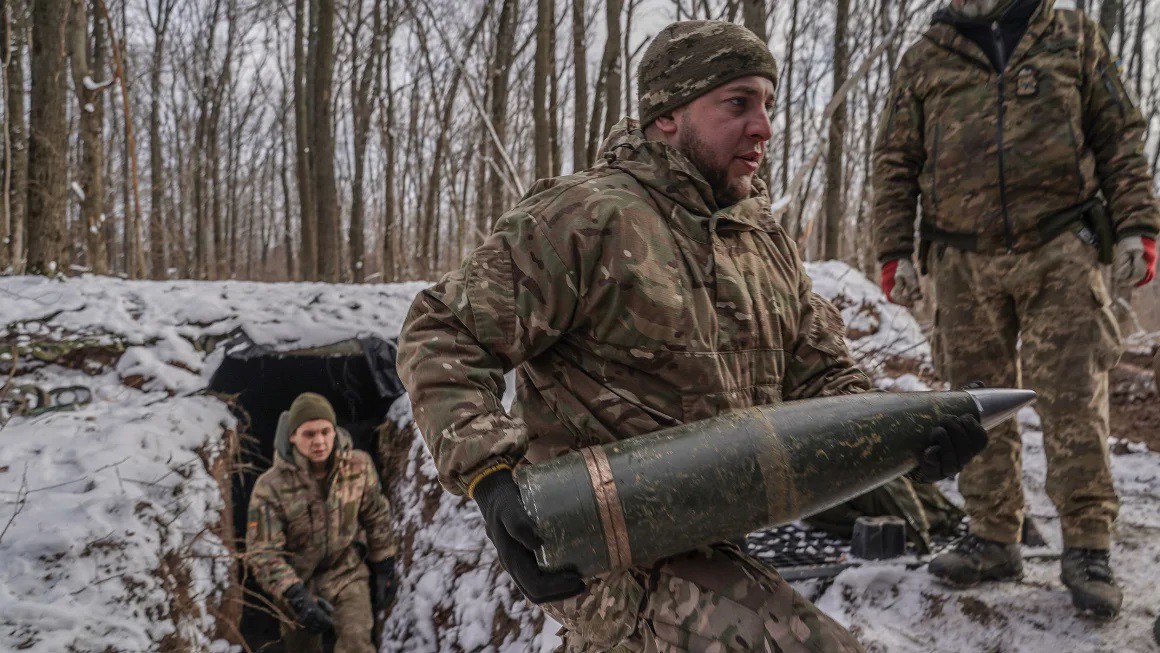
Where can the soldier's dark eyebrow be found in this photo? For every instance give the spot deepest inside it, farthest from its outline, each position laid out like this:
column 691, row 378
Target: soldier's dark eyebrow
column 744, row 89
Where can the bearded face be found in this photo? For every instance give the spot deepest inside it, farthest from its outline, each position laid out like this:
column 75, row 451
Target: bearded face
column 724, row 132
column 974, row 8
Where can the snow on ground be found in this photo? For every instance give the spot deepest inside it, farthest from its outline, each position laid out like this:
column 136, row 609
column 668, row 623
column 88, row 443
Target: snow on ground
column 106, row 511
column 113, row 491
column 105, row 514
column 896, row 609
column 454, row 593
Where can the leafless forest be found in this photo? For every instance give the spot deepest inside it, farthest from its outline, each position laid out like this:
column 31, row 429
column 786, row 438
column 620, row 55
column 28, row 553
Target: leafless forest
column 377, row 140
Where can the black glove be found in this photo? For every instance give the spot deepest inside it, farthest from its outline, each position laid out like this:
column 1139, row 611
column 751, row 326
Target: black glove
column 383, row 583
column 511, row 530
column 312, row 612
column 953, row 442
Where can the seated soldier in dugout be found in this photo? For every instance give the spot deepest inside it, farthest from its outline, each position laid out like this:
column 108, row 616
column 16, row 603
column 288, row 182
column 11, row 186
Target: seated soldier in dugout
column 317, row 520
column 653, row 289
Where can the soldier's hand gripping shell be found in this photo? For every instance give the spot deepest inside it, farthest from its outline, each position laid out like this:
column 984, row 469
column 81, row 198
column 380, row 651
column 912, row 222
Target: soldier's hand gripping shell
column 955, row 440
column 511, row 530
column 313, row 613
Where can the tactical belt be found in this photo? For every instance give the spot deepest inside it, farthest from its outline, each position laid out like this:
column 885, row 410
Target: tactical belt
column 1100, row 232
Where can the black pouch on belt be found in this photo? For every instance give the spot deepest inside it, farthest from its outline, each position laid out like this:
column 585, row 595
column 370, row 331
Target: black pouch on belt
column 1097, row 219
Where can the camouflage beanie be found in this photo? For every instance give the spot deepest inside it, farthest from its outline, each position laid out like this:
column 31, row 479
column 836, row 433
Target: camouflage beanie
column 307, row 407
column 691, row 58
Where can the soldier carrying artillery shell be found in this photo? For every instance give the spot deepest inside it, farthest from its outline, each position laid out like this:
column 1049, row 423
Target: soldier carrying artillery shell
column 651, row 290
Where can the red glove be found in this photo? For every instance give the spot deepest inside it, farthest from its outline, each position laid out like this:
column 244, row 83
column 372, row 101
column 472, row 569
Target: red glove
column 1149, row 259
column 891, row 267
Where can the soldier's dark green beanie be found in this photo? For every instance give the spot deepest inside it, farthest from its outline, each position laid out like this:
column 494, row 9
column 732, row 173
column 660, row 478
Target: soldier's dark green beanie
column 691, row 58
column 310, row 406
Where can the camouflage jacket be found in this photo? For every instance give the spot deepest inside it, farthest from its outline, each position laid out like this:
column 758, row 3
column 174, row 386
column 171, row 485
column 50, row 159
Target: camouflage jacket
column 319, row 533
column 991, row 155
column 626, row 302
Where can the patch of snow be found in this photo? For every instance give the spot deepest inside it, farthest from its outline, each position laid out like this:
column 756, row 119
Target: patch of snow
column 453, row 588
column 98, row 501
column 879, row 332
column 122, row 480
column 92, row 85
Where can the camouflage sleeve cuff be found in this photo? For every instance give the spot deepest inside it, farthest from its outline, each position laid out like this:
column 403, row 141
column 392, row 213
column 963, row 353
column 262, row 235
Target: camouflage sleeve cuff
column 482, row 474
column 278, row 587
column 895, row 255
column 1141, row 230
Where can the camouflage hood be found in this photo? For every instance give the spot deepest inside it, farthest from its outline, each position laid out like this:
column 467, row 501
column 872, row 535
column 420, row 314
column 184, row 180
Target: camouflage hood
column 663, row 170
column 1001, row 12
column 285, row 451
column 943, row 21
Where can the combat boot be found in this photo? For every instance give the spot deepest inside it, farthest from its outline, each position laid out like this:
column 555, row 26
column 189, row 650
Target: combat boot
column 1088, row 574
column 977, row 559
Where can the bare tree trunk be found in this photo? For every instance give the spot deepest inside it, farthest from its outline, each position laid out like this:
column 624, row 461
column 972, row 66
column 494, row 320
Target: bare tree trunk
column 89, row 84
column 553, row 101
column 293, row 271
column 1138, row 49
column 787, row 82
column 835, row 208
column 753, row 14
column 580, row 159
column 157, row 233
column 500, row 73
column 391, row 231
column 48, row 139
column 308, row 243
column 361, row 101
column 325, row 190
column 612, row 65
column 1110, row 17
column 545, row 22
column 15, row 187
column 626, row 50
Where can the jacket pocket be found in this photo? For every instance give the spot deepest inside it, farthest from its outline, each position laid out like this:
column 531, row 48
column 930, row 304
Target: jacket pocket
column 1107, row 347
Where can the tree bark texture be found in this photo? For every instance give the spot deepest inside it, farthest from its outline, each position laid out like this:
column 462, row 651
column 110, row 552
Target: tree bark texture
column 545, row 22
column 325, row 190
column 48, row 139
column 613, row 66
column 580, row 159
column 15, row 172
column 89, row 61
column 835, row 205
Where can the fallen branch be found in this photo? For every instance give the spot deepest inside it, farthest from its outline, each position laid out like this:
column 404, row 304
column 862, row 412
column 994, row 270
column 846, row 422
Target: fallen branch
column 21, row 501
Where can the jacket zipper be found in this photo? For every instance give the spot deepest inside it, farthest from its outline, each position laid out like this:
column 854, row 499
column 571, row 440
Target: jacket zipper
column 1007, row 232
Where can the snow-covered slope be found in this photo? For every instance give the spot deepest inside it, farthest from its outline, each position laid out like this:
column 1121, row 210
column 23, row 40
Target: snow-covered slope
column 110, row 545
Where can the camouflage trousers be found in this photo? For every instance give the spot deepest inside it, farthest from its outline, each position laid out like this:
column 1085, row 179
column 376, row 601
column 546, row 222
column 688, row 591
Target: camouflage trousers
column 711, row 600
column 1040, row 320
column 353, row 622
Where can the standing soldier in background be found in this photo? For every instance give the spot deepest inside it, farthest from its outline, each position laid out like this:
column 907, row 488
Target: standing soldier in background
column 651, row 290
column 1009, row 119
column 318, row 517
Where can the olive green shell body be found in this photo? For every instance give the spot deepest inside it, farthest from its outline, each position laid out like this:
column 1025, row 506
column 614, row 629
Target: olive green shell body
column 721, row 478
